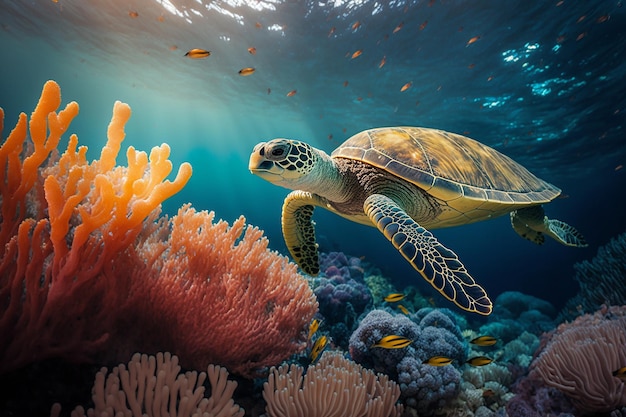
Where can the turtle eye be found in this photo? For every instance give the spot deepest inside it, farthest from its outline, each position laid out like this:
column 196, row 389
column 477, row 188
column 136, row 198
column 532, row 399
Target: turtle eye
column 278, row 152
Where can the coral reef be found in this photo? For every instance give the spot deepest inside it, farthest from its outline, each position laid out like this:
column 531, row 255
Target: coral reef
column 579, row 359
column 602, row 280
column 515, row 313
column 153, row 386
column 424, row 387
column 88, row 268
column 533, row 398
column 333, row 386
column 341, row 294
column 225, row 298
column 64, row 229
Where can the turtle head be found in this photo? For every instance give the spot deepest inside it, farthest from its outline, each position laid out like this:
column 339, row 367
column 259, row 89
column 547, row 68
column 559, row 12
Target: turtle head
column 283, row 162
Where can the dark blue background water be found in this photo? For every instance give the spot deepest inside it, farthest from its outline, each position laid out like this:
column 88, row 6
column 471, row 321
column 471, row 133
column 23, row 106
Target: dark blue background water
column 543, row 83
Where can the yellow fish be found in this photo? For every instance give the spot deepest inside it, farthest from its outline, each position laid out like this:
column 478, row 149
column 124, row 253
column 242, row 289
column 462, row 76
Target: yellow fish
column 484, row 341
column 395, row 297
column 620, row 373
column 403, row 309
column 438, row 361
column 198, row 53
column 479, row 361
column 318, row 347
column 246, row 71
column 315, row 324
column 393, row 342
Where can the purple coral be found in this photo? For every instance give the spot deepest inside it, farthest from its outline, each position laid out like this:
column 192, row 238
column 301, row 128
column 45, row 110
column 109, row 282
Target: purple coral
column 341, row 294
column 580, row 357
column 423, row 387
column 426, row 387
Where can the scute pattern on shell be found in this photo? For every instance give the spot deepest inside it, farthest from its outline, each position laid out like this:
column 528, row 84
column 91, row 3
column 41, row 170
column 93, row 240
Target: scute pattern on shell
column 447, row 165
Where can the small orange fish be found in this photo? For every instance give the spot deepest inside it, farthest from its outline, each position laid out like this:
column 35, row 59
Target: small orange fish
column 423, row 25
column 438, row 361
column 620, row 373
column 252, row 50
column 244, row 72
column 582, row 35
column 394, row 297
column 318, row 347
column 472, row 40
column 484, row 341
column 345, row 83
column 133, row 14
column 291, row 93
column 382, row 62
column 197, row 53
column 406, row 86
column 258, row 25
column 315, row 324
column 403, row 309
column 331, row 31
column 603, row 18
column 479, row 361
column 399, row 27
column 620, row 166
column 173, row 48
column 357, row 54
column 581, row 18
column 393, row 342
column 356, row 25
column 560, row 3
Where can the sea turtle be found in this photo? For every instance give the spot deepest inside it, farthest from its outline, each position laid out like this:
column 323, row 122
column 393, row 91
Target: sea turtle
column 404, row 181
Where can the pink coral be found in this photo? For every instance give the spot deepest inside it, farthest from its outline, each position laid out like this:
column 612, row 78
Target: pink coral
column 250, row 306
column 580, row 357
column 64, row 226
column 87, row 266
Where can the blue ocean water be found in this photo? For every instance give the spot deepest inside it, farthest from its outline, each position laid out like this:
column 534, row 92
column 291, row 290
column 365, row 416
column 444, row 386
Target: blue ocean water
column 542, row 82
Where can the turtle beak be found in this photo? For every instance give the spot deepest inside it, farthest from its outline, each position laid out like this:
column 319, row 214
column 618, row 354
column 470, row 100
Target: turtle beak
column 259, row 164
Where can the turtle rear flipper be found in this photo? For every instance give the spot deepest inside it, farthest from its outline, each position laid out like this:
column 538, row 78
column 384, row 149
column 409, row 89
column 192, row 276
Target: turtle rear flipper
column 531, row 223
column 437, row 264
column 564, row 233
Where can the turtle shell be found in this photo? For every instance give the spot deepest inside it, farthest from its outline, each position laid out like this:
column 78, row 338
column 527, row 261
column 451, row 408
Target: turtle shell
column 454, row 169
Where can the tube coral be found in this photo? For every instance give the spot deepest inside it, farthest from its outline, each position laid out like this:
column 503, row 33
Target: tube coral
column 580, row 357
column 62, row 228
column 335, row 386
column 154, row 386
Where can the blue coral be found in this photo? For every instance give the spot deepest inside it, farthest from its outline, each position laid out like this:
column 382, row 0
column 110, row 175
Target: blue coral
column 426, row 387
column 434, row 333
column 342, row 295
column 515, row 312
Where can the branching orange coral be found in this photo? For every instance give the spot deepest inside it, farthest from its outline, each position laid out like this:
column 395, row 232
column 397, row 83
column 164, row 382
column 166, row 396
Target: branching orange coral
column 87, row 264
column 56, row 272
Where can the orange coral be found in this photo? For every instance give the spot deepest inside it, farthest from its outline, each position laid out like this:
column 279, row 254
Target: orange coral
column 86, row 264
column 53, row 269
column 251, row 307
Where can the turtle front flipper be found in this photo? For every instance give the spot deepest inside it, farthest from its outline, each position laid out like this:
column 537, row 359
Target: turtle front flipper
column 299, row 229
column 531, row 222
column 437, row 264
